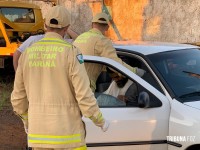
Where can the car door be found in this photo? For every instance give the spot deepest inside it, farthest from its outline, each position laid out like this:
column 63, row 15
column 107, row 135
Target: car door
column 131, row 128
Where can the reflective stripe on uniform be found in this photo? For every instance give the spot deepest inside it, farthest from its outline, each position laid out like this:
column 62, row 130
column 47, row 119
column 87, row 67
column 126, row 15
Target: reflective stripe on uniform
column 134, row 70
column 50, row 139
column 93, row 85
column 85, row 36
column 81, row 148
column 24, row 116
column 97, row 119
column 54, row 41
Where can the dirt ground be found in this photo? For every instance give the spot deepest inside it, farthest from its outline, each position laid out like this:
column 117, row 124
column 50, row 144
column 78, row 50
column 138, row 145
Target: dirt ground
column 12, row 135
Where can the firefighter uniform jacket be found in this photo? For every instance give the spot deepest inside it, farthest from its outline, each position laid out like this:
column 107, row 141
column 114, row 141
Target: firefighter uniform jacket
column 95, row 43
column 52, row 85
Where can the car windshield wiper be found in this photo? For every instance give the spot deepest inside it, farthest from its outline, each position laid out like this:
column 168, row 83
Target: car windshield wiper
column 190, row 94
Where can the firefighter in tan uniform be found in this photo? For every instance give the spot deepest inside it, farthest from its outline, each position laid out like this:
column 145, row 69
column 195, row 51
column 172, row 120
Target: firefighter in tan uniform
column 52, row 91
column 95, row 43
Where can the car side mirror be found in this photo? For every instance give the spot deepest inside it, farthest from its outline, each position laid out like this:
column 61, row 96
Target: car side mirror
column 143, row 100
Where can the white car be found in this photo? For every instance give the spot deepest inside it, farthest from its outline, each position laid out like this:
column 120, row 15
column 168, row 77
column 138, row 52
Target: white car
column 167, row 116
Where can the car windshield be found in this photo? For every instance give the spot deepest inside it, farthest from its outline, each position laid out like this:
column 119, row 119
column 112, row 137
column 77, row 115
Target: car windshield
column 181, row 71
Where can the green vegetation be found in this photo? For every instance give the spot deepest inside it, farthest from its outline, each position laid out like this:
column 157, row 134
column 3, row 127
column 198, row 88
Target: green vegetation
column 5, row 92
column 6, row 83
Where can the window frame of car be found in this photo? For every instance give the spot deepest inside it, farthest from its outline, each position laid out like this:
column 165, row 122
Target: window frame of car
column 126, row 72
column 148, row 65
column 154, row 72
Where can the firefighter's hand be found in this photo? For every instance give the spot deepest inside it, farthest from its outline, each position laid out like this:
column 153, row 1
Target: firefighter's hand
column 140, row 72
column 122, row 98
column 104, row 128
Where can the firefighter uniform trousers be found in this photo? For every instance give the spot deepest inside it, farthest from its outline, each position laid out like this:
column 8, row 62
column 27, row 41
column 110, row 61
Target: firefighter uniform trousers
column 80, row 148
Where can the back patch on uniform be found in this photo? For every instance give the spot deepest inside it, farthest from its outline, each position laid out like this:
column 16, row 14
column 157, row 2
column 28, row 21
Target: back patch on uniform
column 80, row 58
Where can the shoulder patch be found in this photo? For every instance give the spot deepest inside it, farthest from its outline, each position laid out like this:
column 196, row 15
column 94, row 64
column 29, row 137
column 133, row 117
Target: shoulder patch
column 80, row 58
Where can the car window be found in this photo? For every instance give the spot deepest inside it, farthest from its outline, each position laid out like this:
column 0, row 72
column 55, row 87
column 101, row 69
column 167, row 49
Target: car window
column 19, row 15
column 114, row 89
column 136, row 62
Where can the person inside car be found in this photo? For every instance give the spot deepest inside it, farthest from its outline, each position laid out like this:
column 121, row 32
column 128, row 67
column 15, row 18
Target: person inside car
column 122, row 88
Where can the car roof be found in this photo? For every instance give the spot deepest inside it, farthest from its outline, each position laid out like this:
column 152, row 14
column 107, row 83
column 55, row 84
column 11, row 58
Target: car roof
column 148, row 47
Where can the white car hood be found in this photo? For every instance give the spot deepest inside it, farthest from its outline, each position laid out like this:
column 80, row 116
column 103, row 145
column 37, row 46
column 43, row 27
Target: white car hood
column 194, row 104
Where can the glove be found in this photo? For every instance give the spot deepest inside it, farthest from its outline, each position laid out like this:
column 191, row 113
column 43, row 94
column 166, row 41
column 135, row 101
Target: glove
column 140, row 72
column 104, row 128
